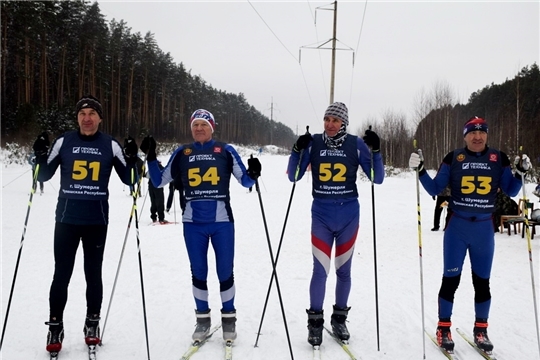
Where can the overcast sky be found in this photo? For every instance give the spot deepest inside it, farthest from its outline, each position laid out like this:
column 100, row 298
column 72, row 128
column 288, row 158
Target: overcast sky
column 266, row 50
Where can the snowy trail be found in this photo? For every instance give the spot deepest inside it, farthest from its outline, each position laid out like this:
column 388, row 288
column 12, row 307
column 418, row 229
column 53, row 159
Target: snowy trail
column 167, row 278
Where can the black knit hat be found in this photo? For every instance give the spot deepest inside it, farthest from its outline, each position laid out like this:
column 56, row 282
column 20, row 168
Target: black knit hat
column 88, row 101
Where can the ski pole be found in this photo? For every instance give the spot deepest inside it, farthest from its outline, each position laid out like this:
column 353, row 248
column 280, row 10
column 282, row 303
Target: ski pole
column 140, row 262
column 34, row 185
column 529, row 248
column 420, row 249
column 274, row 273
column 274, row 261
column 375, row 250
column 16, row 178
column 120, row 260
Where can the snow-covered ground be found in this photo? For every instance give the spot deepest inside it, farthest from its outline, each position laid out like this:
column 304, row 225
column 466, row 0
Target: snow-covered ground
column 167, row 281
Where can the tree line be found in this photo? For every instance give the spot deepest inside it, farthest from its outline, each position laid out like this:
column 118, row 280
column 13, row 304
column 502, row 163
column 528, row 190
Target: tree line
column 54, row 52
column 512, row 110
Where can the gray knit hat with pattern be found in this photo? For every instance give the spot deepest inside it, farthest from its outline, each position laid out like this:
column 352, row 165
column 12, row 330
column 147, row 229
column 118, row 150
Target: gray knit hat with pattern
column 338, row 110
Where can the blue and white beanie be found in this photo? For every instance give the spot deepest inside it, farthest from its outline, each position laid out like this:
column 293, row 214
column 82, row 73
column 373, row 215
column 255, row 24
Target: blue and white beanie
column 338, row 110
column 205, row 115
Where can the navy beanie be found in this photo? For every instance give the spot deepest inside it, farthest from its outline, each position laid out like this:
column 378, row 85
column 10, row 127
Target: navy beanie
column 88, row 101
column 475, row 124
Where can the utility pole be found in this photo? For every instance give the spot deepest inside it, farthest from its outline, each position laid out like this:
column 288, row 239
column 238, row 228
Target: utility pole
column 271, row 121
column 333, row 73
column 334, row 41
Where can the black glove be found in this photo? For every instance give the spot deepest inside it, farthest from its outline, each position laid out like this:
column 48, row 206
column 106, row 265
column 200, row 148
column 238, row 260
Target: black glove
column 254, row 168
column 130, row 149
column 372, row 139
column 41, row 146
column 302, row 142
column 148, row 146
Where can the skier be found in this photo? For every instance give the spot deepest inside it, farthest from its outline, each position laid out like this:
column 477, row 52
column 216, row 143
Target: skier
column 170, row 197
column 334, row 157
column 203, row 169
column 86, row 158
column 474, row 174
column 157, row 201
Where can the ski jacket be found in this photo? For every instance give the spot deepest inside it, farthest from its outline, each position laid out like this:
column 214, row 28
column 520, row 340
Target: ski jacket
column 204, row 170
column 474, row 179
column 86, row 164
column 335, row 170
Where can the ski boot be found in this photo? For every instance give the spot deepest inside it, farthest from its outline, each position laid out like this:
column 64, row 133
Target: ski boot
column 202, row 328
column 55, row 336
column 91, row 329
column 444, row 336
column 315, row 327
column 228, row 323
column 339, row 328
column 481, row 338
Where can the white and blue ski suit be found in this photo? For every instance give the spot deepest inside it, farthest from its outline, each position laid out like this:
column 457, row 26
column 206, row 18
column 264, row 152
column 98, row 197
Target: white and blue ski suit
column 335, row 211
column 204, row 171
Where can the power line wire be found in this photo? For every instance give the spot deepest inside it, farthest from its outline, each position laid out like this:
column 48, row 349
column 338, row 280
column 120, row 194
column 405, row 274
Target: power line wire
column 297, row 60
column 356, row 50
column 272, row 31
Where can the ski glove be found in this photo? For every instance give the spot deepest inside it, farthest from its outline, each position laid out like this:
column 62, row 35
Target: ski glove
column 148, row 146
column 41, row 146
column 130, row 150
column 523, row 164
column 372, row 140
column 302, row 142
column 254, row 168
column 415, row 162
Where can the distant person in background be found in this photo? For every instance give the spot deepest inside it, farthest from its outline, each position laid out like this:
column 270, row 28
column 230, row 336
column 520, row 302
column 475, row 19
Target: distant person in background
column 86, row 158
column 536, row 191
column 504, row 205
column 443, row 197
column 474, row 174
column 157, row 201
column 170, row 198
column 32, row 162
column 335, row 157
column 204, row 169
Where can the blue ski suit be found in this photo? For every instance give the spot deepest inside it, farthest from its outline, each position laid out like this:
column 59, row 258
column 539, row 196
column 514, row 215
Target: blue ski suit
column 205, row 170
column 474, row 179
column 335, row 211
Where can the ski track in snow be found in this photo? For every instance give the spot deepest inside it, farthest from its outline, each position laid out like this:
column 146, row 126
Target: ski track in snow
column 167, row 279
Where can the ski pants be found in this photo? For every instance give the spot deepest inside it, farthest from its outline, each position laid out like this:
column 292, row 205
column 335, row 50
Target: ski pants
column 338, row 222
column 66, row 242
column 197, row 237
column 157, row 203
column 477, row 237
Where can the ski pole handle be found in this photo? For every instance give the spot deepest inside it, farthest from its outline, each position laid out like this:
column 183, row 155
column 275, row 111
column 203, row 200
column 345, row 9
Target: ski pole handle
column 421, row 154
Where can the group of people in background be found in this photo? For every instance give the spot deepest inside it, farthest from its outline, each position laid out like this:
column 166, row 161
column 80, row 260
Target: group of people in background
column 201, row 171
